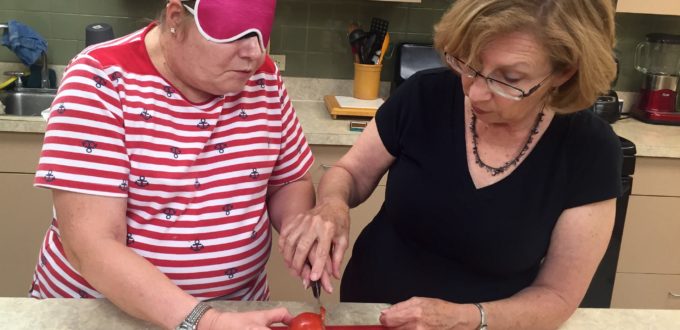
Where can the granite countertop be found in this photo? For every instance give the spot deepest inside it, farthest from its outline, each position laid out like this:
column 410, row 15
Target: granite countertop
column 650, row 140
column 28, row 313
column 317, row 124
column 320, row 129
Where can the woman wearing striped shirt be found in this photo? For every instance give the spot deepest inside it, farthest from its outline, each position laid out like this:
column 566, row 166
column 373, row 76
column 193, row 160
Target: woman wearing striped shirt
column 170, row 153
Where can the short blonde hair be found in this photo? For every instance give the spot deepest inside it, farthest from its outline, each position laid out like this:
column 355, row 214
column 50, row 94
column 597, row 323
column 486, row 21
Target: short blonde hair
column 575, row 33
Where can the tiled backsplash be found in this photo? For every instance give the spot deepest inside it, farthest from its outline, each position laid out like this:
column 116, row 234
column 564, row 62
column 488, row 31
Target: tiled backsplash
column 630, row 30
column 311, row 33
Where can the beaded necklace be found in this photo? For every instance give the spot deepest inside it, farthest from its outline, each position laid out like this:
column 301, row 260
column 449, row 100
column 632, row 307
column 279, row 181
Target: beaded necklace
column 513, row 162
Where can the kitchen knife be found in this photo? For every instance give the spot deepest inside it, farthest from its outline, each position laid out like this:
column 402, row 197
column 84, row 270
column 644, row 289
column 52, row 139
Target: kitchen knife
column 316, row 287
column 316, row 291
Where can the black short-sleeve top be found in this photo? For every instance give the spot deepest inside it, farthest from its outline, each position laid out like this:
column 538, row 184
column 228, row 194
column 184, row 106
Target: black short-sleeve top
column 436, row 235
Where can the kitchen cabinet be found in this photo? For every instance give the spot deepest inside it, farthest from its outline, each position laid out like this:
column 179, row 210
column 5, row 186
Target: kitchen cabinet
column 653, row 291
column 648, row 272
column 27, row 211
column 659, row 7
column 286, row 287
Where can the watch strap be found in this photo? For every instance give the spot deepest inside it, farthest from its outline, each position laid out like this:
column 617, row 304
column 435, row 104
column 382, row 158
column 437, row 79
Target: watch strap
column 191, row 321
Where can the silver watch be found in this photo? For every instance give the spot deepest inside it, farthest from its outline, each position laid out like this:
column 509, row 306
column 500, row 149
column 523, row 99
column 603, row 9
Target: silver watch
column 191, row 321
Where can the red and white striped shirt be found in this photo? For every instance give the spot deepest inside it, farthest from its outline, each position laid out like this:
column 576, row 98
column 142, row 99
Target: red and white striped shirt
column 195, row 175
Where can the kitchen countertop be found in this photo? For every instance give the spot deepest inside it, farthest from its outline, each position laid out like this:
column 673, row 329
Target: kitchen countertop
column 320, row 129
column 650, row 140
column 317, row 124
column 29, row 313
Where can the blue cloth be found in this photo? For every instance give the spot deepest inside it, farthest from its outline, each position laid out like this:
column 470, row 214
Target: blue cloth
column 27, row 44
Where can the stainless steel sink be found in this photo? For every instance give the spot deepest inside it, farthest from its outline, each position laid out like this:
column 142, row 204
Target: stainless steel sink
column 27, row 101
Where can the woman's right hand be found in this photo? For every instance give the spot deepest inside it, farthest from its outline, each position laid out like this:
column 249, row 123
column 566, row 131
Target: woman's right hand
column 316, row 235
column 216, row 320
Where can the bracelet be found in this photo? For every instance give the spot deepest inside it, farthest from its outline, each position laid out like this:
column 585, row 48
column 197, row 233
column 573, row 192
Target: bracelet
column 482, row 313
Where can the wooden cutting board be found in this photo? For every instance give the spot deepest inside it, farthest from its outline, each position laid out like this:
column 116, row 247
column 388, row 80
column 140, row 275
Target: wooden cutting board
column 335, row 110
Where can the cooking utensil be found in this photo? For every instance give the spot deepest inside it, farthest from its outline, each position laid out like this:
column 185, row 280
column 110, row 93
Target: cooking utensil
column 383, row 49
column 379, row 28
column 355, row 35
column 366, row 49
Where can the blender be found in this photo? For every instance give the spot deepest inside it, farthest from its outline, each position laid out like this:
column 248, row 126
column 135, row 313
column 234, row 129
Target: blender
column 658, row 57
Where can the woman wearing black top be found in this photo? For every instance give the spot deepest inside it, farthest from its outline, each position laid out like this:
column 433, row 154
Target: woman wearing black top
column 500, row 195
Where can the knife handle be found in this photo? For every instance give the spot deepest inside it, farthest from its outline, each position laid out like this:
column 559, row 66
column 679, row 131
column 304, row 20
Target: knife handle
column 316, row 289
column 316, row 285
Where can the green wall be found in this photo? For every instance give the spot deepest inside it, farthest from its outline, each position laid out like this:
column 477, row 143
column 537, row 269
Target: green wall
column 311, row 33
column 631, row 29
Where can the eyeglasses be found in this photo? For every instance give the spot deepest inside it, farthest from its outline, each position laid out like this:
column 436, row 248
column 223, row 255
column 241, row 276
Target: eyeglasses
column 496, row 86
column 190, row 6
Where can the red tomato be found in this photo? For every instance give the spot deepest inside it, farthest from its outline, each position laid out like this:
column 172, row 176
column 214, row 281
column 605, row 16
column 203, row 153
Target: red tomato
column 308, row 321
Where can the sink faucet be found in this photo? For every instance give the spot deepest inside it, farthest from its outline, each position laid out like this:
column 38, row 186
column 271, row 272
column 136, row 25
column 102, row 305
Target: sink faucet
column 45, row 73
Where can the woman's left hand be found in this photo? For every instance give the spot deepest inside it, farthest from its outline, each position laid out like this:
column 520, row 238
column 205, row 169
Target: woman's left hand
column 429, row 313
column 316, row 235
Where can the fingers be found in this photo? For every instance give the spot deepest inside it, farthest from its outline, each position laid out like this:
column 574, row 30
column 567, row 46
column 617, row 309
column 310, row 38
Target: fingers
column 338, row 253
column 326, row 282
column 321, row 227
column 398, row 315
column 276, row 315
column 303, row 252
column 391, row 320
column 306, row 270
column 286, row 228
column 325, row 279
column 321, row 251
column 288, row 241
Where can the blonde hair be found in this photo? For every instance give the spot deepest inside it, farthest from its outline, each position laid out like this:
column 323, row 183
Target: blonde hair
column 575, row 33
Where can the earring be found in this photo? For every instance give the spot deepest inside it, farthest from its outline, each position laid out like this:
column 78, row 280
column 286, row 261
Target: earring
column 172, row 30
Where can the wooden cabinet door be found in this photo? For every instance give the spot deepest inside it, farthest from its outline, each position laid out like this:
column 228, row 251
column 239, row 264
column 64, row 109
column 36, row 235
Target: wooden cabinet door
column 651, row 236
column 19, row 152
column 324, row 158
column 26, row 215
column 653, row 291
column 657, row 176
column 660, row 7
column 286, row 287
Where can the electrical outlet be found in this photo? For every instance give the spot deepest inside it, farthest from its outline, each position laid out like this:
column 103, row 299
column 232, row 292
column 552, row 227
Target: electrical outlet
column 280, row 61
